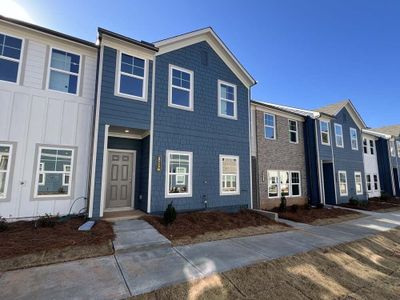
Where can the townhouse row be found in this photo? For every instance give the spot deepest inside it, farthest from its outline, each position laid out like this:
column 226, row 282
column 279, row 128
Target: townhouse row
column 122, row 124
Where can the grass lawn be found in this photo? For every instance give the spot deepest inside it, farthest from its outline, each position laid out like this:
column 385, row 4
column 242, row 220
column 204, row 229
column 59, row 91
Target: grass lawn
column 29, row 243
column 196, row 227
column 374, row 204
column 318, row 216
column 364, row 269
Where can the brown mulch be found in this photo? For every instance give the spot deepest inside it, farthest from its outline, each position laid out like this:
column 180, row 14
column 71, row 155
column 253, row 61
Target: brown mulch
column 318, row 216
column 23, row 238
column 197, row 227
column 374, row 205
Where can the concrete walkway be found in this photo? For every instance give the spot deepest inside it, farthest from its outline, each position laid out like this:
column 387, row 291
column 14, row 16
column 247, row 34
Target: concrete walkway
column 139, row 267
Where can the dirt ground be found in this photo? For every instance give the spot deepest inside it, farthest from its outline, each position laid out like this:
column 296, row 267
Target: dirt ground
column 319, row 216
column 364, row 269
column 23, row 245
column 373, row 205
column 196, row 227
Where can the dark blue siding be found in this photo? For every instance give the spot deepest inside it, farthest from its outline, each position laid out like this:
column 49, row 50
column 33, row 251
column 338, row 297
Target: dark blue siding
column 385, row 176
column 200, row 131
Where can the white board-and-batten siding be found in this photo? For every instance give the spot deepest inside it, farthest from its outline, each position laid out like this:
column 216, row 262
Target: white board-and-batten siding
column 31, row 115
column 371, row 166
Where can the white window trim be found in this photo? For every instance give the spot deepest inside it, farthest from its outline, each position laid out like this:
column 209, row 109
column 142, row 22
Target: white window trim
column 370, row 182
column 65, row 175
column 8, row 171
column 295, row 131
column 234, row 117
column 398, row 148
column 351, row 139
column 328, row 132
column 43, row 182
column 178, row 195
column 347, row 187
column 373, row 148
column 336, row 125
column 38, row 171
column 13, row 59
column 290, row 195
column 365, row 146
column 191, row 90
column 269, row 126
column 221, row 192
column 358, row 174
column 377, row 182
column 49, row 69
column 118, row 74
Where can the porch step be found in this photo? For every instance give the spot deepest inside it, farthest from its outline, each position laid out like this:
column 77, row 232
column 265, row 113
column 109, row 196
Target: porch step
column 122, row 215
column 137, row 235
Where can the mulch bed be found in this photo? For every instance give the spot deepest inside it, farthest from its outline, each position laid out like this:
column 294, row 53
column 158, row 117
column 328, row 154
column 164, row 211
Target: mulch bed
column 313, row 215
column 375, row 205
column 201, row 223
column 23, row 238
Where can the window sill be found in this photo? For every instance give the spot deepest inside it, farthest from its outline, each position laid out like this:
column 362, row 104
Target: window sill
column 130, row 97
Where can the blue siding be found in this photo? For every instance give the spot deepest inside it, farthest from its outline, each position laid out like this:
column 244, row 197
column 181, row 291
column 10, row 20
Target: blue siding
column 200, row 131
column 347, row 159
column 385, row 176
column 325, row 151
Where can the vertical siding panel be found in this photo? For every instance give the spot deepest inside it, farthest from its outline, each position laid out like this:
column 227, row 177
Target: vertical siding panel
column 69, row 123
column 54, row 121
column 5, row 113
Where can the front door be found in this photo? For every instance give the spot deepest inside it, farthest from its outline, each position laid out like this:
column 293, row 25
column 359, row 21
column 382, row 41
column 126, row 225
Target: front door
column 119, row 179
column 329, row 183
column 396, row 181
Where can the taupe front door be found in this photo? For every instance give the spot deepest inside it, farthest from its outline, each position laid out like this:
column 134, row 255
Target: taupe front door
column 119, row 179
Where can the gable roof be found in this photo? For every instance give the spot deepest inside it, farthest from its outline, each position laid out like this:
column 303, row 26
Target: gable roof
column 335, row 108
column 288, row 109
column 143, row 44
column 393, row 130
column 207, row 34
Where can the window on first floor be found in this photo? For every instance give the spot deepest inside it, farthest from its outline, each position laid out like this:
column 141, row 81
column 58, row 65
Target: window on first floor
column 131, row 78
column 10, row 57
column 227, row 101
column 178, row 174
column 229, row 175
column 342, row 183
column 284, row 183
column 5, row 165
column 54, row 166
column 181, row 88
column 368, row 182
column 358, row 183
column 372, row 182
column 376, row 182
column 64, row 71
column 293, row 132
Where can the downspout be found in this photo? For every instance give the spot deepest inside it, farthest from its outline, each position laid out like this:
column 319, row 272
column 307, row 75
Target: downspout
column 258, row 197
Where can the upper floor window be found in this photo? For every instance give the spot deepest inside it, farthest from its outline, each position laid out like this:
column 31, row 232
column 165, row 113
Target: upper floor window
column 180, row 88
column 392, row 149
column 10, row 57
column 54, row 172
column 131, row 80
column 227, row 103
column 353, row 139
column 179, row 174
column 5, row 163
column 398, row 148
column 325, row 132
column 64, row 71
column 269, row 126
column 339, row 135
column 372, row 147
column 229, row 175
column 365, row 145
column 293, row 132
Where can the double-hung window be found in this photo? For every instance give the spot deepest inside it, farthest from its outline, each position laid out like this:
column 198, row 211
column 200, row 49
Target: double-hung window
column 284, row 183
column 5, row 165
column 293, row 132
column 229, row 175
column 398, row 148
column 358, row 183
column 54, row 172
column 372, row 147
column 368, row 182
column 325, row 132
column 64, row 71
column 227, row 102
column 269, row 126
column 131, row 80
column 353, row 139
column 392, row 149
column 178, row 174
column 365, row 145
column 10, row 57
column 376, row 182
column 339, row 135
column 343, row 183
column 180, row 93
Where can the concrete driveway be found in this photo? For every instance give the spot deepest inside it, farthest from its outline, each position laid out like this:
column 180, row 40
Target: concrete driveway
column 144, row 265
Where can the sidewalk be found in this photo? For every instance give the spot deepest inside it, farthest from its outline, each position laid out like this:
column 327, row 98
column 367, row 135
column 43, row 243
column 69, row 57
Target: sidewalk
column 142, row 270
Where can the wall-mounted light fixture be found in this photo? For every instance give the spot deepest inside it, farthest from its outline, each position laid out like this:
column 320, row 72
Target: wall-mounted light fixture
column 262, row 176
column 158, row 164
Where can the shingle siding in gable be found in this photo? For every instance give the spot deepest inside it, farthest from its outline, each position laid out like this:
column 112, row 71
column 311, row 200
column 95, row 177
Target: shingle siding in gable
column 200, row 131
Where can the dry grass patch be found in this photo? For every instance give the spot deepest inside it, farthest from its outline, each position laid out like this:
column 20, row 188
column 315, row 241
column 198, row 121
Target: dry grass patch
column 374, row 204
column 364, row 269
column 196, row 227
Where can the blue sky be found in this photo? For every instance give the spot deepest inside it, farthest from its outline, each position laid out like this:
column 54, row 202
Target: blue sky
column 303, row 53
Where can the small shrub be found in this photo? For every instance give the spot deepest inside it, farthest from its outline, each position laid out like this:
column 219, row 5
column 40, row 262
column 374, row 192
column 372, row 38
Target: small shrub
column 3, row 224
column 282, row 206
column 354, row 202
column 47, row 220
column 320, row 205
column 169, row 214
column 294, row 208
